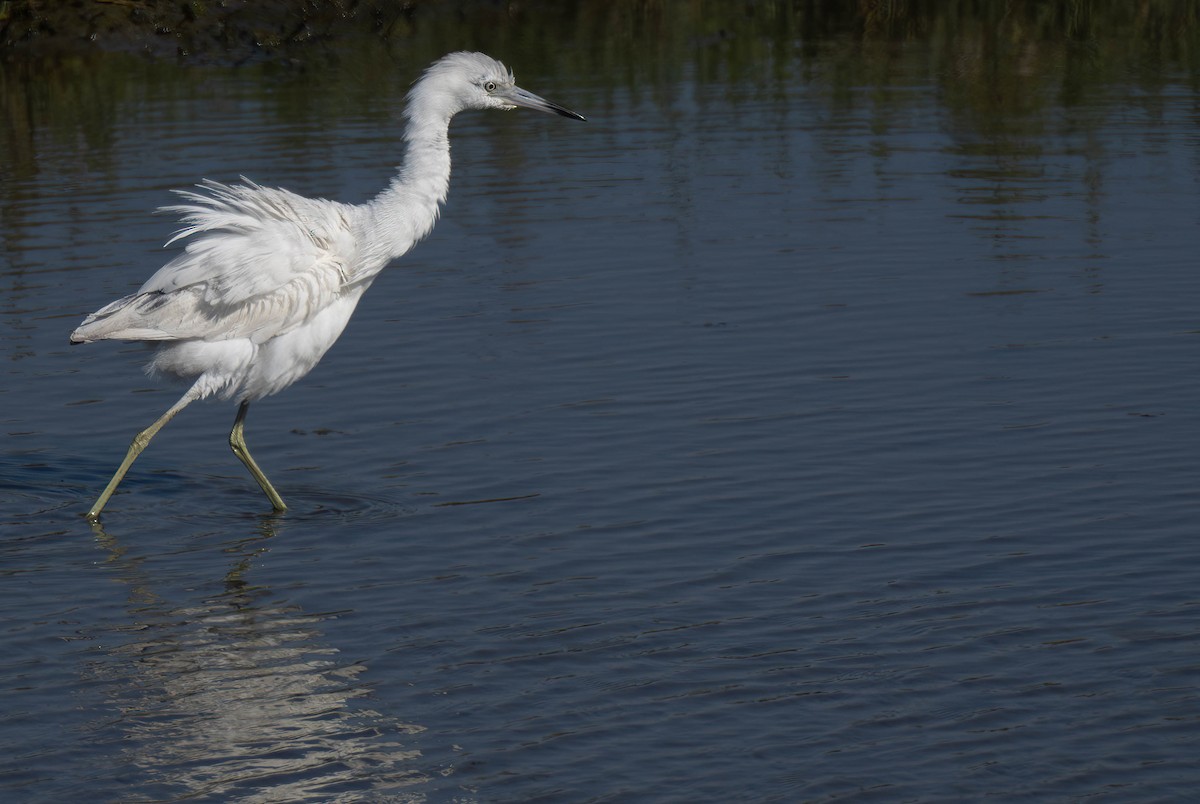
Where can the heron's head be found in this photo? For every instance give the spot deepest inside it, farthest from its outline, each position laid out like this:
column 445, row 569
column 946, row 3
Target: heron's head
column 476, row 81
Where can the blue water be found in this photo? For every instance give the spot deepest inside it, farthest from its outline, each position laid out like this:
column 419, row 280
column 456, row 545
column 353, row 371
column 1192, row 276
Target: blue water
column 740, row 444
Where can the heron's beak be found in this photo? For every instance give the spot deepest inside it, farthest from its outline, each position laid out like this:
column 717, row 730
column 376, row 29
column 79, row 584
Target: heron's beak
column 519, row 97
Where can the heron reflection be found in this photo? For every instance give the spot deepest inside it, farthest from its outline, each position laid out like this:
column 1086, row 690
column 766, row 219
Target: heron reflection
column 236, row 694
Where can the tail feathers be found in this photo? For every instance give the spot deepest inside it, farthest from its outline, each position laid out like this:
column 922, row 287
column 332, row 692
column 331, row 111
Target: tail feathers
column 123, row 320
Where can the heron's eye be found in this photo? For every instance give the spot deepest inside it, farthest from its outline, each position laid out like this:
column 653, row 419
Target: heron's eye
column 490, row 86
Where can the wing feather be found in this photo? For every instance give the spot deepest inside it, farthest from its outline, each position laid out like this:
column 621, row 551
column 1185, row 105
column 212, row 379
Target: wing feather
column 249, row 240
column 259, row 263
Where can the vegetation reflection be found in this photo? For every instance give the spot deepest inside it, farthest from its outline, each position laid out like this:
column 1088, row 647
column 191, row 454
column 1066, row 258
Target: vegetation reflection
column 983, row 54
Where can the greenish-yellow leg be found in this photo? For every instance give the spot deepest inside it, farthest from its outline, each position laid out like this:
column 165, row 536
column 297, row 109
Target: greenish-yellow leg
column 135, row 449
column 238, row 442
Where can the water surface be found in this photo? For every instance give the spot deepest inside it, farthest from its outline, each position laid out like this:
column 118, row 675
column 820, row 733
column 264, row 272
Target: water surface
column 816, row 421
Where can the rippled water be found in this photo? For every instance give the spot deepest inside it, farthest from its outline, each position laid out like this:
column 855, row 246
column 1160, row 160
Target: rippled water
column 749, row 442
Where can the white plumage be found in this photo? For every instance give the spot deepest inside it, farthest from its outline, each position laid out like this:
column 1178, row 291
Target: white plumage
column 269, row 279
column 264, row 287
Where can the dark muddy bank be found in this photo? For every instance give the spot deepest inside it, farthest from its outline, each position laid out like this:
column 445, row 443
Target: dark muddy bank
column 208, row 30
column 1146, row 32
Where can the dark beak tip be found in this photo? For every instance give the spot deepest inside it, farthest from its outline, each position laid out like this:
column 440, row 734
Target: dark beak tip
column 563, row 111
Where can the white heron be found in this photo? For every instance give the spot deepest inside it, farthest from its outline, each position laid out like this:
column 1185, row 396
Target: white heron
column 269, row 278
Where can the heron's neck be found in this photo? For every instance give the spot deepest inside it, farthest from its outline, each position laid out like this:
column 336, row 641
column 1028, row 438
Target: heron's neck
column 407, row 209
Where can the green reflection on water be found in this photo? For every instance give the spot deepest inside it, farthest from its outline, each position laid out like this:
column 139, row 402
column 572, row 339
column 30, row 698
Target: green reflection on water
column 996, row 67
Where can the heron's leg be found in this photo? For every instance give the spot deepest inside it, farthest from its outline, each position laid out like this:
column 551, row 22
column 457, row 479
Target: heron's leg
column 135, row 449
column 238, row 442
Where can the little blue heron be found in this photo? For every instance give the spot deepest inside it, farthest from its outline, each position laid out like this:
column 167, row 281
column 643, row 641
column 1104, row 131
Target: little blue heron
column 269, row 278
